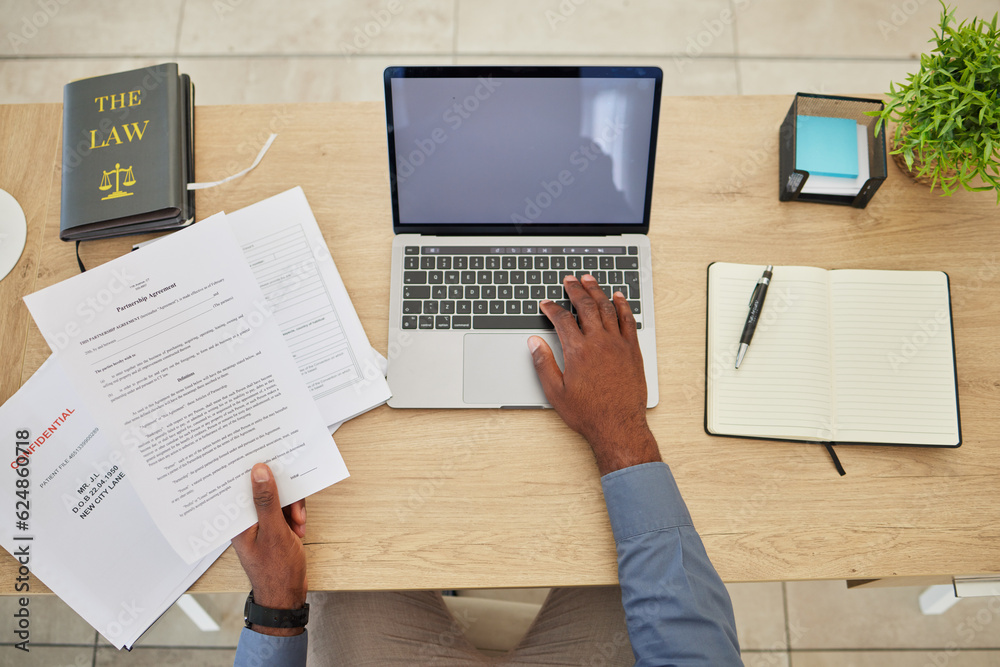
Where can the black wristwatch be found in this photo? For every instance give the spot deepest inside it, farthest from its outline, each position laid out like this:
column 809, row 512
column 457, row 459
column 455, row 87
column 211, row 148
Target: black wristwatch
column 254, row 614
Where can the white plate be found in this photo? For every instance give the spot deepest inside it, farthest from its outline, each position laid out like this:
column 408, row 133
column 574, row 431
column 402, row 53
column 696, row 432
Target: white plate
column 13, row 232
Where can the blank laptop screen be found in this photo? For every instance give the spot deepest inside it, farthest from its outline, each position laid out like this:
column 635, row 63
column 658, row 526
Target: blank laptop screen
column 501, row 150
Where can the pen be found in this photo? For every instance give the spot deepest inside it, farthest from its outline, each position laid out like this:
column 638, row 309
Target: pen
column 756, row 303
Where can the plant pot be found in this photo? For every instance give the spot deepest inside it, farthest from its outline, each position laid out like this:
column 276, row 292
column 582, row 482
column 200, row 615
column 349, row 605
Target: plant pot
column 917, row 164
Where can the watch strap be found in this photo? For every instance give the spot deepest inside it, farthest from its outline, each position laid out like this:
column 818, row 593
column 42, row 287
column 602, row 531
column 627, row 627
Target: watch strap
column 255, row 614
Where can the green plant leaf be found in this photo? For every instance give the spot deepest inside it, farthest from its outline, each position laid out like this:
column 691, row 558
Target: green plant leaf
column 947, row 113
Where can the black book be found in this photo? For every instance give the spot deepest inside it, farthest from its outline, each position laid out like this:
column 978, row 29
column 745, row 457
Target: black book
column 128, row 154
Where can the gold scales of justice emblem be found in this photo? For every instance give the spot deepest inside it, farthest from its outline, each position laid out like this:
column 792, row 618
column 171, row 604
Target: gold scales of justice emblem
column 122, row 177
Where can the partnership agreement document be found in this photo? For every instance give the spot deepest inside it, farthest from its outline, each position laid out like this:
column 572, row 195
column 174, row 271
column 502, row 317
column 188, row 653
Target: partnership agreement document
column 87, row 536
column 293, row 266
column 185, row 370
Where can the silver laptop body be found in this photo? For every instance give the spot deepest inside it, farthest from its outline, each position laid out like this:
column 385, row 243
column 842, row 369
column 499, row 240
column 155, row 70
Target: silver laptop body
column 504, row 179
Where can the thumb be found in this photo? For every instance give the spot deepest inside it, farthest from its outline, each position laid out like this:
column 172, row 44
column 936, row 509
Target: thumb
column 545, row 365
column 265, row 500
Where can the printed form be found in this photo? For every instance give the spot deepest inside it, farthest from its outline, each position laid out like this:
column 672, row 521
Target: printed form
column 289, row 258
column 89, row 538
column 183, row 370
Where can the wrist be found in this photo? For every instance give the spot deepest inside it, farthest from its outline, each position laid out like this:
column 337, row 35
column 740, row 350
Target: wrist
column 268, row 614
column 280, row 599
column 624, row 449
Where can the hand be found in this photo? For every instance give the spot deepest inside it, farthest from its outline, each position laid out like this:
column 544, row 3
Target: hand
column 602, row 393
column 271, row 550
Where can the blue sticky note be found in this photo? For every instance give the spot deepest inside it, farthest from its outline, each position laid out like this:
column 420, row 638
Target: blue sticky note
column 826, row 146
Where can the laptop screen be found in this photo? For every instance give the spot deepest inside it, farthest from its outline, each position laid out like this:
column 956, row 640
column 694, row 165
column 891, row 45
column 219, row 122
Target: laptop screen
column 521, row 150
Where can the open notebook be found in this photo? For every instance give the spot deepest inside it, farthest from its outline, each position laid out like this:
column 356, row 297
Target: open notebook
column 844, row 356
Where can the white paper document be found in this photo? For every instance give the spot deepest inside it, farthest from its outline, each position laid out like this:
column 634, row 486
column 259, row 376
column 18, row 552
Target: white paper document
column 87, row 535
column 303, row 289
column 184, row 368
column 293, row 266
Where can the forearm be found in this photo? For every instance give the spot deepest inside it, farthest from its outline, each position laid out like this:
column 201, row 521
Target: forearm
column 677, row 608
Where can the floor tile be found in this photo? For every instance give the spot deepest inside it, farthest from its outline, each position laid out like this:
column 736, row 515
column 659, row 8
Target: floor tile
column 686, row 75
column 106, row 27
column 896, row 659
column 286, row 80
column 603, row 28
column 281, row 80
column 305, row 26
column 528, row 595
column 836, row 77
column 47, row 656
column 846, row 28
column 174, row 628
column 682, row 75
column 826, row 615
column 760, row 615
column 494, row 625
column 490, row 653
column 52, row 621
column 36, row 81
column 765, row 659
column 157, row 657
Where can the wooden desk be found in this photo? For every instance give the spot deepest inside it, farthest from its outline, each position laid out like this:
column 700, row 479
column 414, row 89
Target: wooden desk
column 486, row 498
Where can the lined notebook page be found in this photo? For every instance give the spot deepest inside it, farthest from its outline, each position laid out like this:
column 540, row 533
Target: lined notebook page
column 783, row 387
column 894, row 379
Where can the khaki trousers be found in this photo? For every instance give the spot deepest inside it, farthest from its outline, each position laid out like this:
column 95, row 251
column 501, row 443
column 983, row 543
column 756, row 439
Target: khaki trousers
column 575, row 626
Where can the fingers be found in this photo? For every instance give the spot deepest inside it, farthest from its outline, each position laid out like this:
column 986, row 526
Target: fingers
column 295, row 514
column 545, row 365
column 626, row 321
column 609, row 318
column 561, row 319
column 592, row 305
column 594, row 310
column 586, row 308
column 270, row 518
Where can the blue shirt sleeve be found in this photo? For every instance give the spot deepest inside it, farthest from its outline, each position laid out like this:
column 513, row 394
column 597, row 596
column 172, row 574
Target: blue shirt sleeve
column 678, row 611
column 260, row 650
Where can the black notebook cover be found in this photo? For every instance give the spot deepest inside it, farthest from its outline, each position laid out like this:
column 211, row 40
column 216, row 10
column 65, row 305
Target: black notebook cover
column 933, row 324
column 127, row 153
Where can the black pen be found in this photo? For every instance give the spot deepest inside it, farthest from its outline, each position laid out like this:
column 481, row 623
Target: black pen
column 756, row 304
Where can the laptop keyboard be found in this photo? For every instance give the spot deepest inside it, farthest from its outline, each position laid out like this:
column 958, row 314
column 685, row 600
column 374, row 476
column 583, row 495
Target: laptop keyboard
column 479, row 287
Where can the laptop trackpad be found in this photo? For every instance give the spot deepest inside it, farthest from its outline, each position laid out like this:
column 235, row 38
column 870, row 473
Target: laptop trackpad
column 499, row 371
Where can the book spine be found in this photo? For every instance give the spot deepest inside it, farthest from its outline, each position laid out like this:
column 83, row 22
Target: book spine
column 175, row 139
column 187, row 145
column 70, row 160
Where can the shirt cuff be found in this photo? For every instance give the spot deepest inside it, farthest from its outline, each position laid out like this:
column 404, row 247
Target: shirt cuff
column 256, row 648
column 643, row 499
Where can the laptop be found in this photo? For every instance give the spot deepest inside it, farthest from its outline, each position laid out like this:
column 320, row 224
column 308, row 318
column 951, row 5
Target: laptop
column 503, row 180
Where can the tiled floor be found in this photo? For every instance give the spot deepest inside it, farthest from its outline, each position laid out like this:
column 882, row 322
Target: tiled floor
column 794, row 624
column 255, row 51
column 246, row 51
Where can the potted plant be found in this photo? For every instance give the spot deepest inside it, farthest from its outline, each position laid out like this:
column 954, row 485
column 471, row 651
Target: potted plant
column 947, row 114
